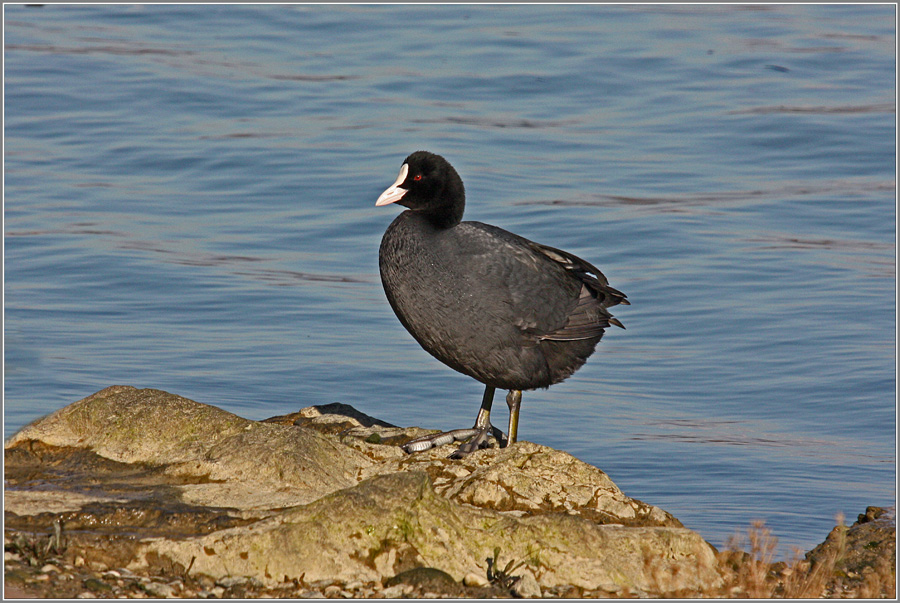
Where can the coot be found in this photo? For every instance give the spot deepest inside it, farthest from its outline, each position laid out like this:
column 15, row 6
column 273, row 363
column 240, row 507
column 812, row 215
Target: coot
column 504, row 310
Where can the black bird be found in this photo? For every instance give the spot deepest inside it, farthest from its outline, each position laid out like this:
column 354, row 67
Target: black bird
column 490, row 304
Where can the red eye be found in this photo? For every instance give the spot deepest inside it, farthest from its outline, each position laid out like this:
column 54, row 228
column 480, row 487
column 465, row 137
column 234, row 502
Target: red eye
column 417, row 177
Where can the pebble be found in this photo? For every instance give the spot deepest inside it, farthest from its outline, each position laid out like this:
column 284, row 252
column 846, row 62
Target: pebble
column 397, row 591
column 10, row 556
column 526, row 587
column 309, row 594
column 97, row 585
column 158, row 589
column 473, row 579
column 332, row 591
column 230, row 581
column 49, row 568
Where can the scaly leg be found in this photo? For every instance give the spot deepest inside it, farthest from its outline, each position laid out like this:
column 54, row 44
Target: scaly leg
column 514, row 401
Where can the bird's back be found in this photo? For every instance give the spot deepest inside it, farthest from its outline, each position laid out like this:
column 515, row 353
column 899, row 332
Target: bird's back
column 493, row 305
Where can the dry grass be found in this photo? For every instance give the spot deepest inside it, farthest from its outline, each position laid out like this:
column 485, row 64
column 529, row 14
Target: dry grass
column 756, row 575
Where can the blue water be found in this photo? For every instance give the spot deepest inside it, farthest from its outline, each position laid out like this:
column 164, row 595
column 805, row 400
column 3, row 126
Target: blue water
column 189, row 205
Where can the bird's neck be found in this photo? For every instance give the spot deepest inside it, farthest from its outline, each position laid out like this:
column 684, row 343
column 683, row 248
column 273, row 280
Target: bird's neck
column 448, row 211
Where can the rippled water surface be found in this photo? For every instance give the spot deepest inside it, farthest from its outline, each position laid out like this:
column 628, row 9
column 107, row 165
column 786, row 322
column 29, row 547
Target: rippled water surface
column 189, row 198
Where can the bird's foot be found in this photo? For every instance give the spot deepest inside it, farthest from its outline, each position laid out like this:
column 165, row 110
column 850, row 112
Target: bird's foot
column 478, row 438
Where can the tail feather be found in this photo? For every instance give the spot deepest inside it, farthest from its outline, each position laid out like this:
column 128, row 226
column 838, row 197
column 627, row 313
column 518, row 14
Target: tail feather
column 590, row 316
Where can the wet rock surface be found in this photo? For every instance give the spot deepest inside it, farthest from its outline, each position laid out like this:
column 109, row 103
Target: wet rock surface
column 141, row 493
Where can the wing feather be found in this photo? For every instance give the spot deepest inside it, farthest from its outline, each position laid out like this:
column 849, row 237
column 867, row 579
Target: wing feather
column 589, row 317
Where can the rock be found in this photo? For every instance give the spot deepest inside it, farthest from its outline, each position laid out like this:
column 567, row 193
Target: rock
column 97, row 585
column 159, row 590
column 526, row 587
column 310, row 594
column 425, row 580
column 862, row 548
column 398, row 591
column 332, row 591
column 330, row 414
column 221, row 459
column 529, row 479
column 202, row 492
column 402, row 512
column 232, row 581
column 473, row 579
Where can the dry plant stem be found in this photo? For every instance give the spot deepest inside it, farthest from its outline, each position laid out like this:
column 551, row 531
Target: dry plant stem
column 754, row 575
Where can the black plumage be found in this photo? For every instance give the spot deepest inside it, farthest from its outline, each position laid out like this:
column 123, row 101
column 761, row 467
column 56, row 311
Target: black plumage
column 504, row 310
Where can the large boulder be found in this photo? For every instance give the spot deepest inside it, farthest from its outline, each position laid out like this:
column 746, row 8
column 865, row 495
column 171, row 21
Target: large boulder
column 326, row 494
column 221, row 458
column 395, row 522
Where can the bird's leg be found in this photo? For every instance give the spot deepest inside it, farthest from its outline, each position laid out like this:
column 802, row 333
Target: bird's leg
column 483, row 429
column 484, row 413
column 514, row 401
column 479, row 434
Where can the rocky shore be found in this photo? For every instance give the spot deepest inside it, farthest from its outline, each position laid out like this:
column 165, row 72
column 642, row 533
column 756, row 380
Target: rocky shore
column 142, row 493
